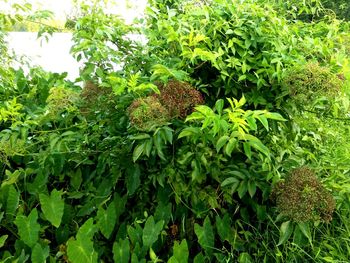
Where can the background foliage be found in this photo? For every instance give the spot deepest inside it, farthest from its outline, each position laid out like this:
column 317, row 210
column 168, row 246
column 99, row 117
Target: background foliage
column 194, row 146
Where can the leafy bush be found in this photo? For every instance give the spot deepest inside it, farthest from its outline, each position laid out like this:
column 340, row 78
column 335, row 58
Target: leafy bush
column 125, row 170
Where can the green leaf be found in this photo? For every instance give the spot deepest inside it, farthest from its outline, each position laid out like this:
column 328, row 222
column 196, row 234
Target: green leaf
column 52, row 207
column 205, row 235
column 3, row 240
column 229, row 181
column 219, row 105
column 121, row 251
column 245, row 258
column 221, row 142
column 251, row 188
column 286, row 231
column 180, row 252
column 138, row 151
column 247, row 150
column 82, row 250
column 106, row 219
column 40, row 254
column 12, row 200
column 263, row 121
column 230, row 146
column 258, row 145
column 305, row 229
column 28, row 228
column 151, row 231
column 133, row 179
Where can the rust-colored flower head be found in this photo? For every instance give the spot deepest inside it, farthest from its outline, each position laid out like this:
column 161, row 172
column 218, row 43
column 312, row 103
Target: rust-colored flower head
column 179, row 98
column 147, row 113
column 302, row 197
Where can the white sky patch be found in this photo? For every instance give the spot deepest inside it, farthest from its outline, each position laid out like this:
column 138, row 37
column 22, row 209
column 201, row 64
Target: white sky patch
column 127, row 9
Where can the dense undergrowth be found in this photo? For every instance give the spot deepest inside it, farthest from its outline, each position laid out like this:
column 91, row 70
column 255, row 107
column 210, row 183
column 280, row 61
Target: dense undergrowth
column 224, row 138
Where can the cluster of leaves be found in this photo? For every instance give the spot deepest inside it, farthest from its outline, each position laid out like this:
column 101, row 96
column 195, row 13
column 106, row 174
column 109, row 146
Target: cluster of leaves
column 125, row 171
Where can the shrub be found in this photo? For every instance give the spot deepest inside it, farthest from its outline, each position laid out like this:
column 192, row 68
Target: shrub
column 301, row 197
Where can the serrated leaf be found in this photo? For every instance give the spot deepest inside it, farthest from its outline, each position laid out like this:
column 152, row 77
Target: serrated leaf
column 40, row 254
column 205, row 235
column 3, row 240
column 106, row 219
column 151, row 231
column 121, row 251
column 28, row 228
column 286, row 231
column 52, row 207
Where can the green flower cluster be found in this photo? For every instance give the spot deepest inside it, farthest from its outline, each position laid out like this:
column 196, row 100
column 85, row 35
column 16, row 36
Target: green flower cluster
column 302, row 197
column 303, row 82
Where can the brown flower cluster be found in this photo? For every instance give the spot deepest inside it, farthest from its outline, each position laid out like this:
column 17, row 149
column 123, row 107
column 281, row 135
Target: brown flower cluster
column 179, row 98
column 302, row 197
column 176, row 100
column 95, row 98
column 146, row 113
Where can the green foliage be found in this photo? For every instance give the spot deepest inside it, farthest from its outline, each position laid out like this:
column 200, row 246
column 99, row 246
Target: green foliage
column 174, row 146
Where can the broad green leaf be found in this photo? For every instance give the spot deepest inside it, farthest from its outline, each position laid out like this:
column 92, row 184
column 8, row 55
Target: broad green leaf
column 106, row 219
column 286, row 231
column 3, row 240
column 40, row 254
column 205, row 235
column 133, row 179
column 121, row 251
column 12, row 200
column 199, row 258
column 28, row 228
column 52, row 207
column 180, row 252
column 151, row 231
column 163, row 212
column 223, row 227
column 82, row 250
